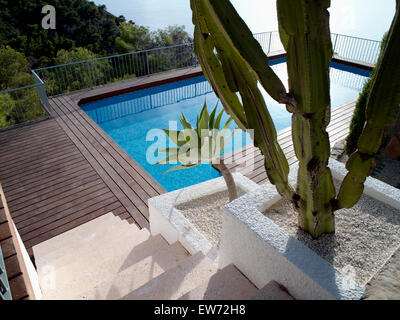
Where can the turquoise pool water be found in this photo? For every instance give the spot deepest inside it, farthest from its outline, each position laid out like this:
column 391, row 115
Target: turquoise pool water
column 130, row 119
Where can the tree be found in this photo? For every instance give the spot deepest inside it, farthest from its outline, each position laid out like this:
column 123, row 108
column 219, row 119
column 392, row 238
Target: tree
column 171, row 35
column 233, row 61
column 80, row 23
column 133, row 38
column 13, row 69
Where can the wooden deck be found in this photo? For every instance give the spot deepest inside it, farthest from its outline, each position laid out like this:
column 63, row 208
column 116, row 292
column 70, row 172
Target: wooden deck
column 250, row 162
column 60, row 173
column 63, row 172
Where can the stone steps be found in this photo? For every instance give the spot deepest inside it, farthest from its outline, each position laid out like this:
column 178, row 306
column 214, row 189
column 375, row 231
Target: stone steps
column 108, row 259
column 272, row 291
column 226, row 284
column 90, row 231
column 176, row 282
column 130, row 279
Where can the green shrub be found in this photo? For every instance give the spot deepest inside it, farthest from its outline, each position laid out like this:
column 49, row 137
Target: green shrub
column 358, row 120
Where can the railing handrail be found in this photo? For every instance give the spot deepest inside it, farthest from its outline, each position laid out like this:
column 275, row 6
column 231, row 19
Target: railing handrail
column 22, row 88
column 163, row 48
column 353, row 37
column 113, row 56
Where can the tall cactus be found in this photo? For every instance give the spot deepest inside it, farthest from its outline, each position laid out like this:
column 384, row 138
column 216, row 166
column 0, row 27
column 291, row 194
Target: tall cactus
column 305, row 34
column 233, row 61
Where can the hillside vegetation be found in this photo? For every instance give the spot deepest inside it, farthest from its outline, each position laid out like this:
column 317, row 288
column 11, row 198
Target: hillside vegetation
column 83, row 31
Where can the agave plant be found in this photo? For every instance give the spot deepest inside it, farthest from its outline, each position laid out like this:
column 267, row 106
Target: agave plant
column 234, row 62
column 203, row 143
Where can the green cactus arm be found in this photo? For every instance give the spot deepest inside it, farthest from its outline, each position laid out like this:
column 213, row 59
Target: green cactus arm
column 237, row 74
column 212, row 69
column 381, row 111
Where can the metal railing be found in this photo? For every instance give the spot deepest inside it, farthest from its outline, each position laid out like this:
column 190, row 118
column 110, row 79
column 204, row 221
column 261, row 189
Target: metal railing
column 22, row 105
column 92, row 73
column 97, row 72
column 5, row 293
column 355, row 49
column 270, row 42
column 88, row 74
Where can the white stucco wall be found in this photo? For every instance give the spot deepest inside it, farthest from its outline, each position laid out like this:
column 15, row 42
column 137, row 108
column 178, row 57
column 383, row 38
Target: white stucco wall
column 263, row 251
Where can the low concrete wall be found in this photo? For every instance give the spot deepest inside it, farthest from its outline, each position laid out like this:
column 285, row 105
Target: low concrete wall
column 263, row 251
column 166, row 220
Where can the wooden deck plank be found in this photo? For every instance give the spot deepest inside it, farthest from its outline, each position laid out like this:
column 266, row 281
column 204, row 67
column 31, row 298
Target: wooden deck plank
column 51, row 171
column 250, row 162
column 138, row 196
column 133, row 168
column 21, row 132
column 35, row 146
column 54, row 230
column 41, row 182
column 50, row 184
column 26, row 205
column 65, row 211
column 97, row 161
column 69, row 152
column 22, row 218
column 31, row 155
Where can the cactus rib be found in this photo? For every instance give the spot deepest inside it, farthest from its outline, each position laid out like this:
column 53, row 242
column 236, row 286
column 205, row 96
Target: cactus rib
column 304, row 32
column 381, row 111
column 218, row 28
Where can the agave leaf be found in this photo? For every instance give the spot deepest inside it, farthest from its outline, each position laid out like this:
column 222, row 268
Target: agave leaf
column 185, row 123
column 203, row 120
column 169, row 159
column 212, row 118
column 174, row 136
column 180, row 167
column 169, row 150
column 218, row 120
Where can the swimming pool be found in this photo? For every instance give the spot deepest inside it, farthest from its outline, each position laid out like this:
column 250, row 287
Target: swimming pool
column 131, row 118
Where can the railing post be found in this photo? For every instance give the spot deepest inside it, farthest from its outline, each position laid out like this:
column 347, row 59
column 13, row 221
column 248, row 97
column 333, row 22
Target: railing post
column 147, row 63
column 334, row 46
column 269, row 44
column 90, row 75
column 42, row 92
column 5, row 293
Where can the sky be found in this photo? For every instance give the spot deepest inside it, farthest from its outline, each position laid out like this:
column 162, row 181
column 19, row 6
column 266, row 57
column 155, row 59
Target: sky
column 360, row 18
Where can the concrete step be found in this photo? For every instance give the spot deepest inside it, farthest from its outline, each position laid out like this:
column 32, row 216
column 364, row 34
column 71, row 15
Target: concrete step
column 174, row 283
column 227, row 284
column 81, row 245
column 76, row 272
column 138, row 274
column 272, row 291
column 85, row 232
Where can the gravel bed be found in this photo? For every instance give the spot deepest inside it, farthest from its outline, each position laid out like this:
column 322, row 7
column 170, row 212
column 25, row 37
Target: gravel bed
column 366, row 236
column 206, row 214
